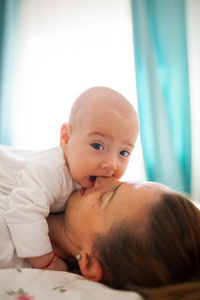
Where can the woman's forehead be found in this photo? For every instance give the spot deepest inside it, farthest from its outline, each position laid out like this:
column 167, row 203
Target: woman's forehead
column 150, row 185
column 131, row 201
column 142, row 192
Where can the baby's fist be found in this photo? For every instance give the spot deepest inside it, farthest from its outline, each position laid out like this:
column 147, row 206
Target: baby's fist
column 58, row 265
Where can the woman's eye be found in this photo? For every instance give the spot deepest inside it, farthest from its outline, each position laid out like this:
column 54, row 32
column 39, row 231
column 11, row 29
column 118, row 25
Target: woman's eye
column 124, row 153
column 101, row 196
column 97, row 146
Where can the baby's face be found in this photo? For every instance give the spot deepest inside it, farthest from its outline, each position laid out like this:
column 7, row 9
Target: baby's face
column 101, row 143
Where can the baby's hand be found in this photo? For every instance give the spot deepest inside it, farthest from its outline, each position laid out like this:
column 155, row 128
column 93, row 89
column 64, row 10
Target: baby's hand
column 58, row 265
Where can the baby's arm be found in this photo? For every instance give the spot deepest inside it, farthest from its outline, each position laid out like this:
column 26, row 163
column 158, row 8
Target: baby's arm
column 26, row 217
column 48, row 261
column 41, row 262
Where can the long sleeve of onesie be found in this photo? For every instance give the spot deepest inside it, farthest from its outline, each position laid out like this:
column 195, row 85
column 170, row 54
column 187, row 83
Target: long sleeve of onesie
column 30, row 203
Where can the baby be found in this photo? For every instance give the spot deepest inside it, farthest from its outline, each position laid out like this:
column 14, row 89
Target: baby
column 98, row 141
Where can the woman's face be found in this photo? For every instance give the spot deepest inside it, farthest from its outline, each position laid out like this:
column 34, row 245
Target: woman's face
column 109, row 201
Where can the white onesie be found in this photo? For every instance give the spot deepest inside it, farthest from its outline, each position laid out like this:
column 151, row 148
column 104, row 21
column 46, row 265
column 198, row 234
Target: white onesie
column 32, row 184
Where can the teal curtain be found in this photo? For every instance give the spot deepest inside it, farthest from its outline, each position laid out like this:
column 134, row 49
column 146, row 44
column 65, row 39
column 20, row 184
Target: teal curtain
column 8, row 26
column 160, row 50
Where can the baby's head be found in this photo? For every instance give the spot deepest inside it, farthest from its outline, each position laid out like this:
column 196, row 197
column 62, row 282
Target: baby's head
column 100, row 136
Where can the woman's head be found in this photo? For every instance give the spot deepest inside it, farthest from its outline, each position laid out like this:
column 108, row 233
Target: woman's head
column 133, row 235
column 162, row 249
column 107, row 205
column 109, row 202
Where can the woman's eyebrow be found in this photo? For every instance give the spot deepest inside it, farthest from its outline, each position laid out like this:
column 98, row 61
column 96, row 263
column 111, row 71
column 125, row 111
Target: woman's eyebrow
column 113, row 194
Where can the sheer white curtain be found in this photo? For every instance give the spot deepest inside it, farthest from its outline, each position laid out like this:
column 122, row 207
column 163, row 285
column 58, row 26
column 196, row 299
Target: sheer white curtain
column 193, row 35
column 65, row 47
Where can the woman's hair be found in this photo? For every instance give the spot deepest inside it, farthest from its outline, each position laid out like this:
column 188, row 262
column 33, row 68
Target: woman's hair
column 156, row 255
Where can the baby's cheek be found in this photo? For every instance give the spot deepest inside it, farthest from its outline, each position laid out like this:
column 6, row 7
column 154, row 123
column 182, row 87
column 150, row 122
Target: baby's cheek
column 118, row 175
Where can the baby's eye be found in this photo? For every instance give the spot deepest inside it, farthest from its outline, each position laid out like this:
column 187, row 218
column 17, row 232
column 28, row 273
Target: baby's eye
column 124, row 153
column 97, row 146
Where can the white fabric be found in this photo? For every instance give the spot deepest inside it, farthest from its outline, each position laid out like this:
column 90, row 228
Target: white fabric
column 193, row 47
column 32, row 184
column 51, row 285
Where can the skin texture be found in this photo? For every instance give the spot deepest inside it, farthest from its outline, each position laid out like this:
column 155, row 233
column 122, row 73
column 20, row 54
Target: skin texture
column 100, row 136
column 108, row 202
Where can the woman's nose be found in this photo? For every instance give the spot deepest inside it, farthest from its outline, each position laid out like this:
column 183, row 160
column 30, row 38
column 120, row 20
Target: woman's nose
column 104, row 181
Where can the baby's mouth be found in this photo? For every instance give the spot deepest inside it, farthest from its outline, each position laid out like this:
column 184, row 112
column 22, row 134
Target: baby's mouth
column 92, row 179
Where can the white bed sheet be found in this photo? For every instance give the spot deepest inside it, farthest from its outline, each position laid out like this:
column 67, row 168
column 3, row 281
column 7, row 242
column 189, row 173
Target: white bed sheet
column 33, row 284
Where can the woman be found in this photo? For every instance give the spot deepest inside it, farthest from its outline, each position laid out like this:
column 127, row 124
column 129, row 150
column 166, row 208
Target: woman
column 133, row 236
column 141, row 236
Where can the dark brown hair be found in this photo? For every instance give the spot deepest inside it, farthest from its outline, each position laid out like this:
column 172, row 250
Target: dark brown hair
column 154, row 257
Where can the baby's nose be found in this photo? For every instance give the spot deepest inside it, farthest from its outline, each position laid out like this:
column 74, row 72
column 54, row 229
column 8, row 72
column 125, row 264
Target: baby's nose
column 110, row 163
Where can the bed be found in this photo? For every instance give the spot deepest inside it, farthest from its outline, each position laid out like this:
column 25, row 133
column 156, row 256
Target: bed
column 34, row 284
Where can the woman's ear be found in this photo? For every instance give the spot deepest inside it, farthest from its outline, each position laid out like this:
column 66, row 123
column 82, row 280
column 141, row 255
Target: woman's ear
column 64, row 135
column 90, row 267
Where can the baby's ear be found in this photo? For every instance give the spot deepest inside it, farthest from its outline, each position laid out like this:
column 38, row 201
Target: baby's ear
column 65, row 134
column 90, row 267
